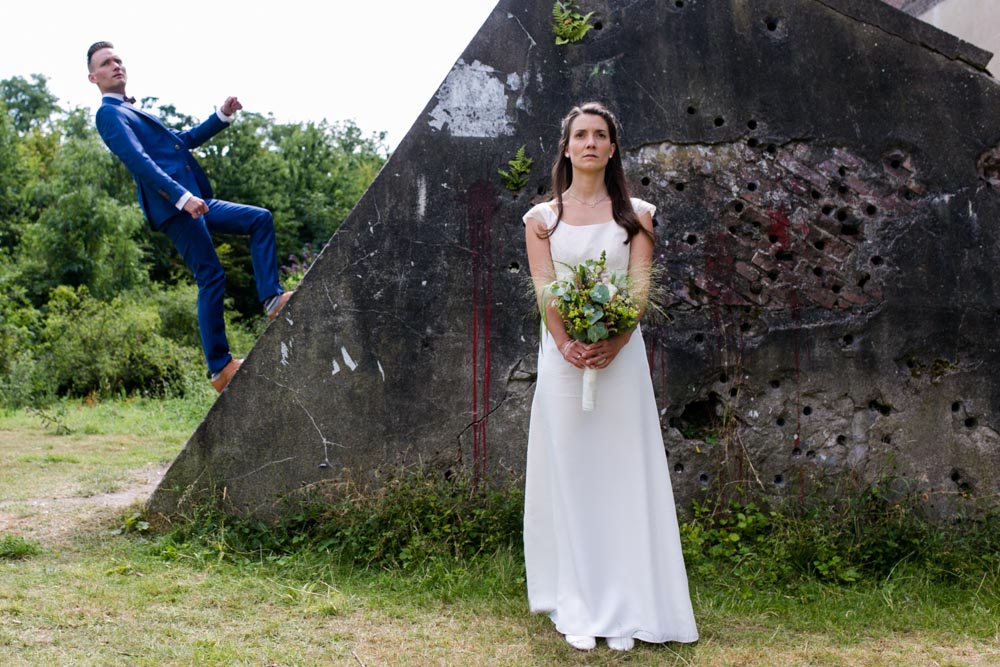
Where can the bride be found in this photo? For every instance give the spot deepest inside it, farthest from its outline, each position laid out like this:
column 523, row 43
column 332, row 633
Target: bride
column 601, row 544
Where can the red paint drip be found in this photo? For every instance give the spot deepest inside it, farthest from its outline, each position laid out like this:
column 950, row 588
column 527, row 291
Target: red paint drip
column 780, row 226
column 481, row 205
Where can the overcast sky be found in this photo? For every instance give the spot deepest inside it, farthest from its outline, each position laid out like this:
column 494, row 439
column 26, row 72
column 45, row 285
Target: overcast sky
column 376, row 62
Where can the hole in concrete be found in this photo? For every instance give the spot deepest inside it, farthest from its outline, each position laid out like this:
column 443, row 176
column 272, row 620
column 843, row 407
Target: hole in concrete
column 772, row 24
column 679, row 187
column 876, row 260
column 424, row 343
column 796, row 452
column 956, row 406
column 752, row 124
column 842, row 189
column 751, row 186
column 699, row 338
column 738, row 206
column 645, row 180
column 850, row 229
column 807, row 411
column 775, row 384
column 779, row 479
column 780, row 421
column 895, row 163
column 773, row 238
column 733, row 392
column 842, row 171
column 703, row 478
column 842, row 215
column 871, row 209
column 679, row 4
column 723, row 378
column 810, row 454
column 719, row 121
column 863, row 279
column 733, row 230
column 598, row 25
column 848, row 339
column 699, row 418
column 841, row 439
column 745, row 327
column 835, row 289
column 827, row 210
column 971, row 422
column 772, row 275
column 819, row 245
column 514, row 267
column 887, row 439
column 691, row 239
column 324, row 464
column 879, row 407
column 907, row 195
column 692, row 111
column 752, row 142
column 910, row 363
column 679, row 468
column 818, row 271
column 772, row 149
column 541, row 189
column 784, row 256
column 757, row 288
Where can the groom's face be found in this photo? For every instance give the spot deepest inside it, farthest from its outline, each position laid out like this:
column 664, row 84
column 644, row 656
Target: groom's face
column 107, row 71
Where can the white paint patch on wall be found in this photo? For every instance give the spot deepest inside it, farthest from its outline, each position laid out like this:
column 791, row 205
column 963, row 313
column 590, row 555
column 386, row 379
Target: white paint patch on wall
column 380, row 370
column 472, row 102
column 350, row 363
column 421, row 196
column 286, row 349
column 336, row 367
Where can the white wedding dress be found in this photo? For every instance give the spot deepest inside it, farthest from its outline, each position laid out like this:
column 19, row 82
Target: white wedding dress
column 601, row 544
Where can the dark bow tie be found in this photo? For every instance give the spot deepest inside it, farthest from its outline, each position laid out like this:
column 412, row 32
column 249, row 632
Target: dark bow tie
column 129, row 100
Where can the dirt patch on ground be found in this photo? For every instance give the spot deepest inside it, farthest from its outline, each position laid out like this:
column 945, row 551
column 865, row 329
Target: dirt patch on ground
column 54, row 521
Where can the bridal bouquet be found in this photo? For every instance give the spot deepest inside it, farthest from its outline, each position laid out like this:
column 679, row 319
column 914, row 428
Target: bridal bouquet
column 594, row 304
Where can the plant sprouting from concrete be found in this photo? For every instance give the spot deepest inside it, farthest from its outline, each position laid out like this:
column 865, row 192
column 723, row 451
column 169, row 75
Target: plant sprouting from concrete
column 520, row 168
column 568, row 24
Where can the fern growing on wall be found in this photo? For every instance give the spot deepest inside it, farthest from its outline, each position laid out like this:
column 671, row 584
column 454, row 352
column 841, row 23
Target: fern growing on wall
column 517, row 177
column 568, row 24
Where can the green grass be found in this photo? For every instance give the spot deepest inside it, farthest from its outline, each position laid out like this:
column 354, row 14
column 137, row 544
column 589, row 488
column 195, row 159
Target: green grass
column 109, row 593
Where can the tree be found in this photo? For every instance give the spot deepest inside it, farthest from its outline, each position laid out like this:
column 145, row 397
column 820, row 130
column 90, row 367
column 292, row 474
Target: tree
column 29, row 104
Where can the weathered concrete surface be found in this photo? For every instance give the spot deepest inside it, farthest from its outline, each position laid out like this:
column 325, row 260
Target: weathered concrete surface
column 826, row 174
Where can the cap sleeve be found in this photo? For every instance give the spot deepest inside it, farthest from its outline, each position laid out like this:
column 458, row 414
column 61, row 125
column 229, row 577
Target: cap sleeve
column 541, row 212
column 641, row 207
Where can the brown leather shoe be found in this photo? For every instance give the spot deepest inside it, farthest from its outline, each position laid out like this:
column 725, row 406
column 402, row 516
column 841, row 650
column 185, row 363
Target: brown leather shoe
column 282, row 300
column 226, row 375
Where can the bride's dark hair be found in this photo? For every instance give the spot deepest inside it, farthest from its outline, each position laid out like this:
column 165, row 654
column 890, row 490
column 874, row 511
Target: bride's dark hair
column 614, row 173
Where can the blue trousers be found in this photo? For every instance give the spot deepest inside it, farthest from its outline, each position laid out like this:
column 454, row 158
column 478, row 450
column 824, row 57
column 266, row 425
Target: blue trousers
column 193, row 239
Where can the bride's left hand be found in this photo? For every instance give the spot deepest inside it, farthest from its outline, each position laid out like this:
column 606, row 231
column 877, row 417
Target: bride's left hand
column 603, row 352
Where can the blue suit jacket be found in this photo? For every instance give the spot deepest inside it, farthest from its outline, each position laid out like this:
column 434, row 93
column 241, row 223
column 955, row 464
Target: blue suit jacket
column 158, row 158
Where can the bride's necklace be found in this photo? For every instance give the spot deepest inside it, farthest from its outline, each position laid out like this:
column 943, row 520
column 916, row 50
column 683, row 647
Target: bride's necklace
column 587, row 204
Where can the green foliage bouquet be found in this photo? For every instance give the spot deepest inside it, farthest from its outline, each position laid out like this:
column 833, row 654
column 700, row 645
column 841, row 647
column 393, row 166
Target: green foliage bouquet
column 594, row 304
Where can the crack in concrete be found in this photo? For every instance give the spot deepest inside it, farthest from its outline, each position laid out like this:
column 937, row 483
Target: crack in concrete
column 263, row 467
column 323, row 439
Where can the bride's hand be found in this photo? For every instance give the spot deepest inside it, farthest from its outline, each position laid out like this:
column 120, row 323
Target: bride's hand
column 572, row 351
column 603, row 352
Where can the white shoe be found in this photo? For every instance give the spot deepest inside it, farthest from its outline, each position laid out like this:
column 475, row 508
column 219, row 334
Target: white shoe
column 581, row 642
column 620, row 643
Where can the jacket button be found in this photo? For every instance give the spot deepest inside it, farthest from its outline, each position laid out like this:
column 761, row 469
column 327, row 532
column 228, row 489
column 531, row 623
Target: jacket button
column 177, row 147
column 188, row 167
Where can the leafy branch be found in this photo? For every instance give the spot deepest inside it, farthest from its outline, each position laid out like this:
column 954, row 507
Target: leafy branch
column 520, row 167
column 568, row 24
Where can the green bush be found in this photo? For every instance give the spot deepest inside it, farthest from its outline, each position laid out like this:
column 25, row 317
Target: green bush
column 91, row 347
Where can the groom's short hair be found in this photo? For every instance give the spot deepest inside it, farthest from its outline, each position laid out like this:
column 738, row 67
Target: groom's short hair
column 95, row 47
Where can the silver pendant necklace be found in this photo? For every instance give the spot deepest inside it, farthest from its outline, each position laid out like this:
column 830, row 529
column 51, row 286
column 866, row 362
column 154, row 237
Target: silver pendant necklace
column 594, row 205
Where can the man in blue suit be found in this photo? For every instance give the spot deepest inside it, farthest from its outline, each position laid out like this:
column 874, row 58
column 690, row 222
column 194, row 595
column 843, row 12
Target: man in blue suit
column 177, row 199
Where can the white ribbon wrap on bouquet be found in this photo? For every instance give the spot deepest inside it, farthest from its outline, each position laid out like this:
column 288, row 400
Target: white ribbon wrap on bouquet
column 589, row 389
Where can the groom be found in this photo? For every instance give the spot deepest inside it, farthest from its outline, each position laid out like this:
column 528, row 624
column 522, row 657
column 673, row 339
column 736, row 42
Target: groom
column 177, row 199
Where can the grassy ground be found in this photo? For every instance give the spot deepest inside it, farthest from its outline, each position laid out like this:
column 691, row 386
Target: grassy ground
column 79, row 593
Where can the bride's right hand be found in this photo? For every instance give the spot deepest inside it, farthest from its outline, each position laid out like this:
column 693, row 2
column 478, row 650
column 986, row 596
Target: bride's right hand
column 572, row 351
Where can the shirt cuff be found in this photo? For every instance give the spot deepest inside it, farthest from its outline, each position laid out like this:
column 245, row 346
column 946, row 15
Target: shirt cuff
column 183, row 200
column 223, row 117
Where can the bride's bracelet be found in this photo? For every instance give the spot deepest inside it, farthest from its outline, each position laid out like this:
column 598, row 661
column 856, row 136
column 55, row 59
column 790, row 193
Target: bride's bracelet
column 565, row 346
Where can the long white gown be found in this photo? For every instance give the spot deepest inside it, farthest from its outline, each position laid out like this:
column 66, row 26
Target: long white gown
column 601, row 544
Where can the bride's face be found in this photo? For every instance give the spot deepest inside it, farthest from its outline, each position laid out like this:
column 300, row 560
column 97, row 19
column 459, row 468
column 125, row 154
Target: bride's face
column 589, row 147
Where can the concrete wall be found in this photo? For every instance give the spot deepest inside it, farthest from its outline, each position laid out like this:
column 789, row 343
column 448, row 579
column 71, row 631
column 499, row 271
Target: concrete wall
column 975, row 21
column 826, row 174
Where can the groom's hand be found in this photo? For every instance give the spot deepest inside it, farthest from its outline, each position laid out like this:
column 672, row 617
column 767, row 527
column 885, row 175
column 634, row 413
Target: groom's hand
column 231, row 106
column 196, row 207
